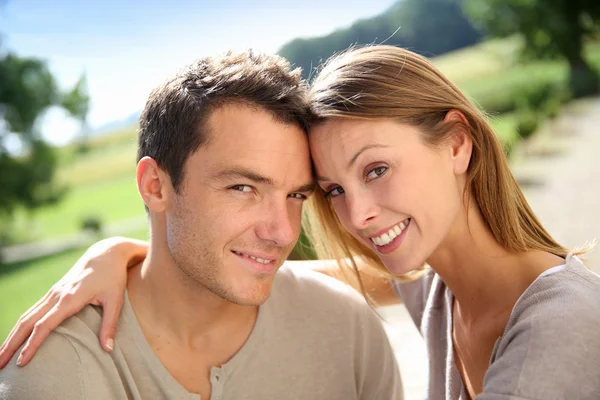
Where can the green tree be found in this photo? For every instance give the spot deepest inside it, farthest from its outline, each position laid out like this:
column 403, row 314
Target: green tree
column 27, row 90
column 550, row 28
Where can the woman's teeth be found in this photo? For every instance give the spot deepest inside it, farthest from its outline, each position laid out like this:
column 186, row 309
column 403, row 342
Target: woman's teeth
column 392, row 234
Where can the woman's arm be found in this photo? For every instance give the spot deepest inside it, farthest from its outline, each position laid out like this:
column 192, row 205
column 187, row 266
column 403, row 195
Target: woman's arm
column 99, row 277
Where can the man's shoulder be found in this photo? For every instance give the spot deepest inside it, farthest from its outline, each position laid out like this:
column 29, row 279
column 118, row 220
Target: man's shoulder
column 69, row 364
column 309, row 295
column 88, row 318
column 56, row 372
column 319, row 323
column 305, row 284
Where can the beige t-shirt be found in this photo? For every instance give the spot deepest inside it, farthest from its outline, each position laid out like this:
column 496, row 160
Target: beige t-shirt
column 314, row 338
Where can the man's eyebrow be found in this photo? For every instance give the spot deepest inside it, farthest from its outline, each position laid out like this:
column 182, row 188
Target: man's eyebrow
column 308, row 188
column 238, row 172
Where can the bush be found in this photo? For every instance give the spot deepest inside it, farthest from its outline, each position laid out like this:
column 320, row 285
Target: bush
column 92, row 224
column 584, row 81
column 527, row 122
column 551, row 108
column 303, row 249
column 521, row 86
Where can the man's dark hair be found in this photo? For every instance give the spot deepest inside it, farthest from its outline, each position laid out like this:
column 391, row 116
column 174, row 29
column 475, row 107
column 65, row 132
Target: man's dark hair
column 173, row 123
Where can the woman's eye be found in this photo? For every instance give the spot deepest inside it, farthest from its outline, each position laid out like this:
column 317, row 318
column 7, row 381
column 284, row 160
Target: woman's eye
column 242, row 188
column 336, row 191
column 376, row 172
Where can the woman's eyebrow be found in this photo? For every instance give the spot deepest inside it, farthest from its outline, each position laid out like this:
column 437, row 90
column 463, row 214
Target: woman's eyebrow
column 362, row 150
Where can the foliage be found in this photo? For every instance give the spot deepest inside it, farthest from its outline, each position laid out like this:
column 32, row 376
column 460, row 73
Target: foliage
column 527, row 122
column 92, row 223
column 27, row 90
column 550, row 28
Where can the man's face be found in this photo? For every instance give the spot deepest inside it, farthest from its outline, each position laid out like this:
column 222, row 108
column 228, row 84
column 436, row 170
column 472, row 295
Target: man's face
column 237, row 215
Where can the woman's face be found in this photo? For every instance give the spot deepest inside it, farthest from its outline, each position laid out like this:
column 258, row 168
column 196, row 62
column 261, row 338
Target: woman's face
column 394, row 193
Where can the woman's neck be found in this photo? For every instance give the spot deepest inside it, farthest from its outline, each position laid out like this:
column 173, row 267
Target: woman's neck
column 484, row 277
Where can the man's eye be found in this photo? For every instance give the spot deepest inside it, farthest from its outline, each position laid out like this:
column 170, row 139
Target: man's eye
column 376, row 172
column 299, row 196
column 336, row 191
column 242, row 188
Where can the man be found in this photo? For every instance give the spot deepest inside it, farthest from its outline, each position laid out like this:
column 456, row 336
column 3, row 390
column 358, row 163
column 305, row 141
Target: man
column 223, row 169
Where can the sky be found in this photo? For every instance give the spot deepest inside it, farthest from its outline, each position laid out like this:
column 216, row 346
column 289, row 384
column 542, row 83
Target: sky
column 127, row 47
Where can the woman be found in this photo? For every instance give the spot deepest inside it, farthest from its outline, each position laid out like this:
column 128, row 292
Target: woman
column 410, row 173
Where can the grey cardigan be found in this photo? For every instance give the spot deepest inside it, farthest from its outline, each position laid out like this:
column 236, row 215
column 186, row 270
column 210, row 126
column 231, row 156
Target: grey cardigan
column 550, row 348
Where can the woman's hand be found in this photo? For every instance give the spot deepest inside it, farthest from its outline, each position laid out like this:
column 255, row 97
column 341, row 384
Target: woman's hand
column 99, row 277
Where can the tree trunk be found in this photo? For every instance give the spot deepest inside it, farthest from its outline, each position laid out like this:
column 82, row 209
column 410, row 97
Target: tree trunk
column 583, row 80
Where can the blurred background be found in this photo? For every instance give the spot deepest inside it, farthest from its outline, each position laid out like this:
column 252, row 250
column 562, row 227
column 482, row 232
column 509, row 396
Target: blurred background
column 74, row 77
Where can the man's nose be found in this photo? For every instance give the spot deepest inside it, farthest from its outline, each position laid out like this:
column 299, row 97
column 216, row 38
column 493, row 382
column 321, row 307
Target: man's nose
column 279, row 225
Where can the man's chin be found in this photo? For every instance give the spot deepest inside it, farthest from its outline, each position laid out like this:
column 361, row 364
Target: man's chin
column 250, row 295
column 250, row 301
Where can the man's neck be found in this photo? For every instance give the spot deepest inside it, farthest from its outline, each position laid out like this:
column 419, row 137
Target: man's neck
column 170, row 304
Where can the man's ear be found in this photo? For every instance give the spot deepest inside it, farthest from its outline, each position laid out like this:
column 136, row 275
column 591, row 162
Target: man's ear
column 153, row 184
column 461, row 144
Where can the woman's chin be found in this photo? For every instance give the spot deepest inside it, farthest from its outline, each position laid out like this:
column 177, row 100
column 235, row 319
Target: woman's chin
column 403, row 266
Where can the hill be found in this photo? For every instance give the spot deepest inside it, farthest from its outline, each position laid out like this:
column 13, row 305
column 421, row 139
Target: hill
column 428, row 27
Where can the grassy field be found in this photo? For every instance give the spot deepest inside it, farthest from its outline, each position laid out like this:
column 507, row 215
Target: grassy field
column 110, row 200
column 23, row 283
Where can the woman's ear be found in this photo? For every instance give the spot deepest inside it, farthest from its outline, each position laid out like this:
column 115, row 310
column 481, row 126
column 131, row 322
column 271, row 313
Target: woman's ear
column 460, row 141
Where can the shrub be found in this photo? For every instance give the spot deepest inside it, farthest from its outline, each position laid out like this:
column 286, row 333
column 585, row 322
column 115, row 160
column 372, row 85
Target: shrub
column 551, row 108
column 527, row 122
column 303, row 249
column 520, row 86
column 92, row 224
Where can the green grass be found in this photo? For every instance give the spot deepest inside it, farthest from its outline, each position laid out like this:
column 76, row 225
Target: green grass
column 108, row 157
column 22, row 284
column 505, row 126
column 494, row 76
column 99, row 165
column 111, row 200
column 100, row 182
column 484, row 59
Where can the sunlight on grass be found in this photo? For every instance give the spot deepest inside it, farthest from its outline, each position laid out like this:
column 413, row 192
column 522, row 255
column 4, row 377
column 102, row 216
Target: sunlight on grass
column 22, row 284
column 109, row 200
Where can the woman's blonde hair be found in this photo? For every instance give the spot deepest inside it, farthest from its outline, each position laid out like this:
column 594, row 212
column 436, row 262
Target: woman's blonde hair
column 378, row 82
